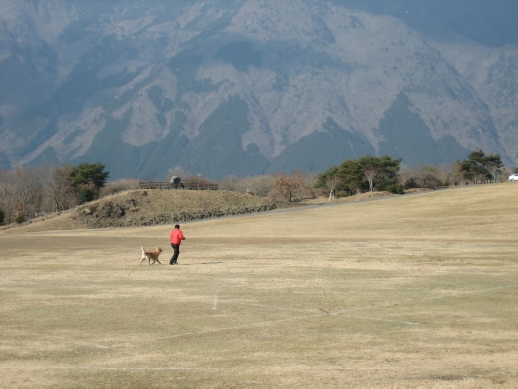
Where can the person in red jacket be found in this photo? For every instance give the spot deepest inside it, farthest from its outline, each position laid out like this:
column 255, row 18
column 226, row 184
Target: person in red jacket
column 176, row 240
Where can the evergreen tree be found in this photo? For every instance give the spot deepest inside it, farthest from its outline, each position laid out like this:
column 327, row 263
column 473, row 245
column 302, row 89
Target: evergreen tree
column 363, row 174
column 379, row 171
column 479, row 166
column 87, row 180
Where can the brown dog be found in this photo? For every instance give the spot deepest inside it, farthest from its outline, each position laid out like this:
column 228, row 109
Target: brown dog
column 150, row 256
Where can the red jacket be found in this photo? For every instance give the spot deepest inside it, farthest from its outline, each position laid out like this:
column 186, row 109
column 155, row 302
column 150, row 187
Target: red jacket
column 177, row 236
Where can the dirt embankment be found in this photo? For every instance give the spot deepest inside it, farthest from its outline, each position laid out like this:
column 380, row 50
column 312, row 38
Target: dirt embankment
column 148, row 207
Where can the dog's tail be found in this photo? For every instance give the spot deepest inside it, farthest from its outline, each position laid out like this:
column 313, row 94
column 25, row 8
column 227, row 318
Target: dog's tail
column 143, row 255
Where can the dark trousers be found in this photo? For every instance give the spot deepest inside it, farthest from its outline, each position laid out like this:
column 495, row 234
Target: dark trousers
column 176, row 248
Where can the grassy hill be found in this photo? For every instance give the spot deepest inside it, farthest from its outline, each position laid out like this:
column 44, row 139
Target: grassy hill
column 148, row 207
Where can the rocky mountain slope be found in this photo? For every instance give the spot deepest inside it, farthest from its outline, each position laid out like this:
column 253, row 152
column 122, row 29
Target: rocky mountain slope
column 246, row 87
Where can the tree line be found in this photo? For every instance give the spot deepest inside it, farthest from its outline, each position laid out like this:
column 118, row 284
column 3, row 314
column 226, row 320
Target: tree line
column 361, row 175
column 370, row 173
column 26, row 193
column 29, row 192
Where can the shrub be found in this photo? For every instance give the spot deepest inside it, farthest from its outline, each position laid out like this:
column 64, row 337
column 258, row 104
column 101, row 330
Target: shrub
column 410, row 183
column 85, row 194
column 255, row 185
column 393, row 187
column 431, row 177
column 118, row 186
column 20, row 218
column 2, row 216
column 429, row 180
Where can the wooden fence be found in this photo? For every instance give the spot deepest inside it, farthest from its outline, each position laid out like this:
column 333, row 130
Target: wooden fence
column 171, row 185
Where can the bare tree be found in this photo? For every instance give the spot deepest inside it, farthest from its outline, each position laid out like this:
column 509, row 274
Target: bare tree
column 505, row 173
column 118, row 186
column 331, row 184
column 255, row 185
column 455, row 172
column 260, row 185
column 7, row 195
column 407, row 177
column 28, row 191
column 288, row 185
column 59, row 187
column 369, row 174
column 309, row 179
column 430, row 177
column 442, row 172
column 230, row 183
column 177, row 171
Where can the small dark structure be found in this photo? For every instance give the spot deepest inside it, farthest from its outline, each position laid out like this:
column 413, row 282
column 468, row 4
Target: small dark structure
column 175, row 183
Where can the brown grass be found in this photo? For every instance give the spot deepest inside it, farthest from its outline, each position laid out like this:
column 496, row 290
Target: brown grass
column 141, row 207
column 413, row 291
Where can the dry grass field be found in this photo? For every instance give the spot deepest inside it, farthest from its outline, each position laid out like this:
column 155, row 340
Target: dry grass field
column 404, row 292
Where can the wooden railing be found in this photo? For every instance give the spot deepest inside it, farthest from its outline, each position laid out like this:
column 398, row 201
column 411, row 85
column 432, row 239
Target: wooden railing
column 171, row 185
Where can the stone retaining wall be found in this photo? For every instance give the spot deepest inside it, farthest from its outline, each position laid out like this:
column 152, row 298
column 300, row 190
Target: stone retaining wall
column 114, row 214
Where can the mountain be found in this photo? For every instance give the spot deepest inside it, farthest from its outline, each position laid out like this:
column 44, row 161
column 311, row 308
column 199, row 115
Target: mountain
column 245, row 87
